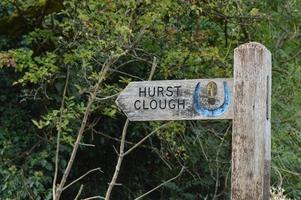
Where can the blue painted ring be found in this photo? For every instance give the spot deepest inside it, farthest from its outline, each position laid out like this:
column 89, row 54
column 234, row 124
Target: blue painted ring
column 201, row 110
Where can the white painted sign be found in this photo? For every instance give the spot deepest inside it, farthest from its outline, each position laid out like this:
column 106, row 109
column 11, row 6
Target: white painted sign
column 177, row 100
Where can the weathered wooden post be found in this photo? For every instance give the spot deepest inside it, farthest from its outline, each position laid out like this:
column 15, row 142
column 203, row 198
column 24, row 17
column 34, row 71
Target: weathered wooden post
column 246, row 100
column 251, row 136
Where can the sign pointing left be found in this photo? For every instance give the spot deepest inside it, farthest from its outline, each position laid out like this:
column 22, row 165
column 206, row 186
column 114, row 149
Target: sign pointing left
column 177, row 100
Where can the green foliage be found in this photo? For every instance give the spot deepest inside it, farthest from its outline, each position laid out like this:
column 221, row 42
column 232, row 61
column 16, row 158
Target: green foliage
column 54, row 42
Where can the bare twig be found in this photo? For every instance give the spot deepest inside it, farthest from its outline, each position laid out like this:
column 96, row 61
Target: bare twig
column 88, row 172
column 79, row 192
column 290, row 172
column 162, row 184
column 126, row 142
column 163, row 159
column 145, row 138
column 110, row 61
column 154, row 66
column 59, row 134
column 155, row 150
column 87, row 145
column 227, row 177
column 95, row 197
column 139, row 58
column 122, row 144
column 119, row 161
column 279, row 173
column 127, row 74
column 125, row 63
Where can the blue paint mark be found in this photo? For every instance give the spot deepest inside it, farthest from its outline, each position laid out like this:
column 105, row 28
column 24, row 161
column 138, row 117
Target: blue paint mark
column 208, row 112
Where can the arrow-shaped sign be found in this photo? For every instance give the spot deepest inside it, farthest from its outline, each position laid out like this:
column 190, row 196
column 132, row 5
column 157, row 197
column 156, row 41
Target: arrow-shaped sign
column 177, row 100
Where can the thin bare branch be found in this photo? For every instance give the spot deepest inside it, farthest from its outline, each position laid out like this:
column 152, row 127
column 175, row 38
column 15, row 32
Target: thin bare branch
column 126, row 142
column 95, row 197
column 122, row 144
column 88, row 172
column 145, row 138
column 59, row 134
column 110, row 61
column 119, row 161
column 127, row 74
column 87, row 145
column 154, row 66
column 162, row 184
column 79, row 192
column 125, row 63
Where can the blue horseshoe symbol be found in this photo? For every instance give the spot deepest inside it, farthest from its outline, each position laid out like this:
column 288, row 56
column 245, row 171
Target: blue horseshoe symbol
column 207, row 112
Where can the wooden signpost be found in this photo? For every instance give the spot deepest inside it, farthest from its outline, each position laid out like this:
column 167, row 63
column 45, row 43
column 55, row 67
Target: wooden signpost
column 245, row 99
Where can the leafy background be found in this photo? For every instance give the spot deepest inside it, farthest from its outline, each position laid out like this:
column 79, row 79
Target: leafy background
column 45, row 42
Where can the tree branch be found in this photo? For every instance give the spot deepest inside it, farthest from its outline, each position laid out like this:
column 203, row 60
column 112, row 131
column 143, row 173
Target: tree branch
column 119, row 161
column 95, row 197
column 88, row 172
column 91, row 100
column 145, row 138
column 79, row 192
column 59, row 134
column 122, row 144
column 162, row 184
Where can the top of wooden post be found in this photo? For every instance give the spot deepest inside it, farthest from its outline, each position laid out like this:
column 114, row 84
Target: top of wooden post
column 252, row 45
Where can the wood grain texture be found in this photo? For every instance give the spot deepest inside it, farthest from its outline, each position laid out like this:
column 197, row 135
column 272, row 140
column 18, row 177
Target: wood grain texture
column 251, row 137
column 177, row 93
